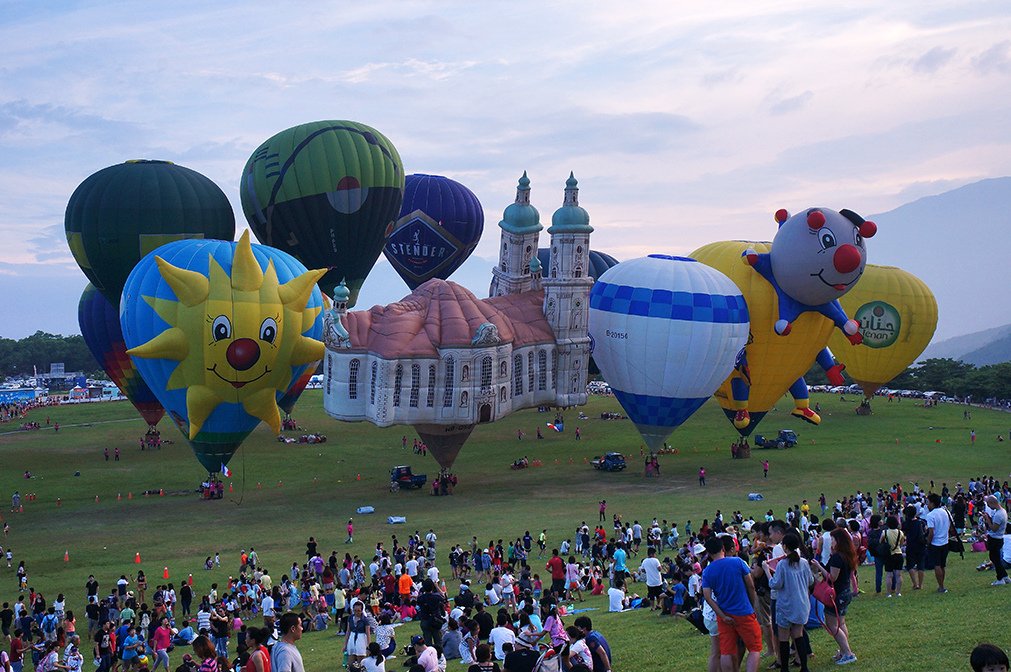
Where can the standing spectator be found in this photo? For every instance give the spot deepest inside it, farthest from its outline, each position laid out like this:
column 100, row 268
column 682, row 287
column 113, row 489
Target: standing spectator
column 938, row 526
column 356, row 643
column 891, row 541
column 351, row 532
column 765, row 468
column 792, row 581
column 431, row 612
column 839, row 570
column 556, row 566
column 650, row 566
column 994, row 521
column 161, row 639
column 603, row 513
column 702, row 476
column 730, row 579
column 915, row 531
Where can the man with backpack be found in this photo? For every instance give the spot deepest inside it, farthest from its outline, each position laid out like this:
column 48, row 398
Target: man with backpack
column 50, row 622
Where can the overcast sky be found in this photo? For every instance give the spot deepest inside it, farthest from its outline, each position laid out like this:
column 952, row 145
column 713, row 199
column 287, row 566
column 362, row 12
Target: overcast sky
column 684, row 122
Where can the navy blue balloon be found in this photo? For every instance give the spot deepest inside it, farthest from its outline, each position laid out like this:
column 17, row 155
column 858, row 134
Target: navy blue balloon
column 439, row 226
column 599, row 262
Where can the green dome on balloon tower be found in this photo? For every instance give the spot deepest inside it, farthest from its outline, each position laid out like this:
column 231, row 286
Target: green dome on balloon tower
column 570, row 218
column 520, row 217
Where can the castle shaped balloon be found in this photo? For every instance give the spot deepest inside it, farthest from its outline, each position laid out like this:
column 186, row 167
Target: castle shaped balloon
column 445, row 361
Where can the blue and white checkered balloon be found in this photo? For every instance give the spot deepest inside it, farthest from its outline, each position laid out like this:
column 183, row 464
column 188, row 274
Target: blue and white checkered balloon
column 666, row 331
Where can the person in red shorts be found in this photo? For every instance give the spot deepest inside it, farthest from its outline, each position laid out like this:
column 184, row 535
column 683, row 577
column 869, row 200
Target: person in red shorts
column 728, row 579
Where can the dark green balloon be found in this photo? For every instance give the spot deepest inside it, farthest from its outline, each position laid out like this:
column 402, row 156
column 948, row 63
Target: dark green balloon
column 328, row 193
column 122, row 212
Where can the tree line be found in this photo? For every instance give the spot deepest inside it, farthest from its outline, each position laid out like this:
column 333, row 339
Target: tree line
column 950, row 376
column 18, row 357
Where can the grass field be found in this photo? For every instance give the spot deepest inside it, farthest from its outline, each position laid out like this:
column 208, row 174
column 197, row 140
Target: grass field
column 285, row 493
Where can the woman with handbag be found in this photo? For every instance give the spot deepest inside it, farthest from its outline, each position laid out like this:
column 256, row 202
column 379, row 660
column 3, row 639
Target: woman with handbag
column 837, row 572
column 891, row 543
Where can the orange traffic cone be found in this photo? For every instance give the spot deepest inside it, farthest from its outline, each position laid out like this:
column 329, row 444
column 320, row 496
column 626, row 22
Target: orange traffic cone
column 119, row 496
column 161, row 492
column 164, row 573
column 66, row 556
column 230, row 489
column 21, row 509
column 96, row 499
column 136, row 559
column 190, row 580
column 359, row 477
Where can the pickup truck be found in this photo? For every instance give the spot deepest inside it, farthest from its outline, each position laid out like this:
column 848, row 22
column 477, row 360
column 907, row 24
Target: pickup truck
column 786, row 438
column 401, row 478
column 609, row 462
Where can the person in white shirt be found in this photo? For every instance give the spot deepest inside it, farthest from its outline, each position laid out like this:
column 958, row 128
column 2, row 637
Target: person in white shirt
column 616, row 600
column 433, row 574
column 995, row 523
column 491, row 596
column 501, row 634
column 412, row 568
column 938, row 525
column 654, row 580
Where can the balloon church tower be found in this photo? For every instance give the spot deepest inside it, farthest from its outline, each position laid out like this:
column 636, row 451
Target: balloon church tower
column 566, row 296
column 521, row 226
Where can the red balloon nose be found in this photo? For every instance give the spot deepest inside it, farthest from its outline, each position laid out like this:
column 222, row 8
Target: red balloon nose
column 846, row 259
column 243, row 353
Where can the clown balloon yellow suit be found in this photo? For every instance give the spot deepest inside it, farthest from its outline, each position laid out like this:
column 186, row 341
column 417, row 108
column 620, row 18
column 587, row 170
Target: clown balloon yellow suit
column 219, row 330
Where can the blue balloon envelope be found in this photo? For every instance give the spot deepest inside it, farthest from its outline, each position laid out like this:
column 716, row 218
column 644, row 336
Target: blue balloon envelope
column 599, row 261
column 440, row 224
column 220, row 331
column 103, row 335
column 665, row 332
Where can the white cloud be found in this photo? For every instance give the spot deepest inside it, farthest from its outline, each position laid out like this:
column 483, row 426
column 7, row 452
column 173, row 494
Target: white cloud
column 684, row 123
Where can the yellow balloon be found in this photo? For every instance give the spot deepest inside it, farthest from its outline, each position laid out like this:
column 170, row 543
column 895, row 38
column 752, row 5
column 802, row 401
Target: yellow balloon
column 897, row 314
column 775, row 362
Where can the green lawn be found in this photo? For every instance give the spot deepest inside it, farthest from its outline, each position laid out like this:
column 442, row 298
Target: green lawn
column 284, row 493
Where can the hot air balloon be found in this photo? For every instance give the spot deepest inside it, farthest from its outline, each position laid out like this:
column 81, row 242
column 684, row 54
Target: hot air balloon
column 99, row 321
column 219, row 331
column 328, row 193
column 897, row 314
column 665, row 332
column 122, row 212
column 599, row 261
column 792, row 287
column 440, row 224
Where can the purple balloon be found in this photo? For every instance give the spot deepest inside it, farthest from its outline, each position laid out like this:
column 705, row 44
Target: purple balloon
column 440, row 224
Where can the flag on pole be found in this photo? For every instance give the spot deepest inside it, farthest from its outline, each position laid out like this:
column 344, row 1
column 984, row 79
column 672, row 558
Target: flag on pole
column 226, row 472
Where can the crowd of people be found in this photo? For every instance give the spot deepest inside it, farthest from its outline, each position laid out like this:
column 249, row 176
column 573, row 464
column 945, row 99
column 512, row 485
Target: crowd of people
column 753, row 585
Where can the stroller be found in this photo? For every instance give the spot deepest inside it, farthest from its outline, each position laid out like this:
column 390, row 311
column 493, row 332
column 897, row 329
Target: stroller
column 549, row 661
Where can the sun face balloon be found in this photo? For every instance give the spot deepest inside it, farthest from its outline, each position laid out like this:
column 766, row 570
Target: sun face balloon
column 220, row 331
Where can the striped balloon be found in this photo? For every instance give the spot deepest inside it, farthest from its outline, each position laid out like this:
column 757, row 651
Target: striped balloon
column 665, row 333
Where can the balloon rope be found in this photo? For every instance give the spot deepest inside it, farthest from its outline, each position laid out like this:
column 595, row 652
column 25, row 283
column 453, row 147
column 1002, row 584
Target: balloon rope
column 242, row 486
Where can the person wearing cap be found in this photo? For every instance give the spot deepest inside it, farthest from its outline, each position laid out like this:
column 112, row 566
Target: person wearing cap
column 427, row 656
column 74, row 659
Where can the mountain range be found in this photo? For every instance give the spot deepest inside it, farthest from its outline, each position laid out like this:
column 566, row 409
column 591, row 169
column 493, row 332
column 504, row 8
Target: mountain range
column 981, row 348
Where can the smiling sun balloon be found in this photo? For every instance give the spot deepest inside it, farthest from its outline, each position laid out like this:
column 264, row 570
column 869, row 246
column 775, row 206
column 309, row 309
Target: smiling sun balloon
column 219, row 330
